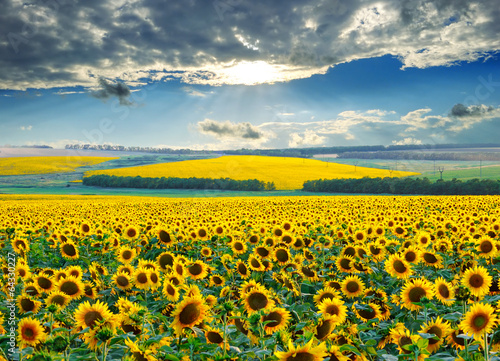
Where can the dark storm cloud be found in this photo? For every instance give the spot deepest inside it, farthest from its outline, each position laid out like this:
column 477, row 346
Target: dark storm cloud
column 109, row 90
column 230, row 130
column 460, row 110
column 64, row 43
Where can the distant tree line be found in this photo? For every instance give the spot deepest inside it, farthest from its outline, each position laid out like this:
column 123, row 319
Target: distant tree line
column 404, row 186
column 103, row 180
column 287, row 152
column 476, row 156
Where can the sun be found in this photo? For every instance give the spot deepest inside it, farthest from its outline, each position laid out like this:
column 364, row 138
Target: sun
column 251, row 73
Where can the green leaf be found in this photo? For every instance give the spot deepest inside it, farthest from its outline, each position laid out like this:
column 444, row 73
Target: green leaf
column 371, row 342
column 428, row 336
column 422, row 343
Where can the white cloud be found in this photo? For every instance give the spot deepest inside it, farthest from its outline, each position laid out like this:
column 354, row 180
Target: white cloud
column 308, row 138
column 252, row 43
column 26, row 127
column 407, row 141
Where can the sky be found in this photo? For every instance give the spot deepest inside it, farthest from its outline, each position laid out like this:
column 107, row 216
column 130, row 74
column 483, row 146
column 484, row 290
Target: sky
column 231, row 74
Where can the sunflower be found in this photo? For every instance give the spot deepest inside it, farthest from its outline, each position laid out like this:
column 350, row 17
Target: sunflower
column 179, row 268
column 335, row 354
column 217, row 280
column 131, row 233
column 30, row 332
column 257, row 299
column 213, row 335
column 397, row 267
column 44, row 283
column 456, row 341
column 25, row 303
column 281, row 255
column 170, row 291
column 23, row 270
column 20, row 245
column 477, row 280
column 276, row 319
column 164, row 237
column 305, row 352
column 352, row 286
column 122, row 280
column 69, row 250
column 444, row 291
column 188, row 313
column 479, row 320
column 58, row 298
column 238, row 247
column 206, row 252
column 414, row 290
column 376, row 250
column 87, row 315
column 366, row 311
column 126, row 254
column 345, row 263
column 139, row 353
column 141, row 278
column 75, row 271
column 432, row 259
column 359, row 236
column 308, row 273
column 324, row 328
column 242, row 269
column 423, row 239
column 441, row 329
column 401, row 336
column 486, row 247
column 154, row 279
column 165, row 260
column 325, row 293
column 412, row 255
column 255, row 263
column 197, row 270
column 125, row 269
column 333, row 309
column 71, row 286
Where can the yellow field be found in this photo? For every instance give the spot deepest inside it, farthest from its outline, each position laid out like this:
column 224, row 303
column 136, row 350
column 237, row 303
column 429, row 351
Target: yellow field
column 336, row 278
column 286, row 173
column 43, row 165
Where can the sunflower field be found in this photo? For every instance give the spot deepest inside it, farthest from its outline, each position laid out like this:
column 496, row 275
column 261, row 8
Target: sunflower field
column 274, row 278
column 286, row 173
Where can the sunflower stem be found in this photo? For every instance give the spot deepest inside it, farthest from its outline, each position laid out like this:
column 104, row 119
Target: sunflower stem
column 486, row 352
column 225, row 335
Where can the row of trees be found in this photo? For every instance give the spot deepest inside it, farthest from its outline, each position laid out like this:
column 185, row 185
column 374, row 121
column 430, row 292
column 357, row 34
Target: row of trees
column 424, row 155
column 404, row 186
column 103, row 180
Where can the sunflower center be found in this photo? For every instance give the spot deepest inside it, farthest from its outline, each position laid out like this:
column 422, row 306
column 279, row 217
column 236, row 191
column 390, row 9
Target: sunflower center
column 255, row 263
column 253, row 239
column 410, row 256
column 142, row 278
column 127, row 254
column 85, row 228
column 242, row 268
column 479, row 322
column 261, row 251
column 416, row 293
column 324, row 329
column 122, row 281
column 28, row 333
column 430, row 258
column 170, row 290
column 27, row 304
column 308, row 272
column 164, row 236
column 458, row 340
column 195, row 269
column 332, row 310
column 282, row 255
column 399, row 266
column 275, row 319
column 287, row 239
column 58, row 300
column 131, row 232
column 92, row 317
column 444, row 291
column 476, row 281
column 257, row 301
column 238, row 246
column 217, row 280
column 352, row 286
column 437, row 331
column 350, row 251
column 202, row 233
column 70, row 288
column 345, row 263
column 367, row 314
column 44, row 283
column 405, row 340
column 214, row 337
column 302, row 356
column 486, row 246
column 189, row 314
column 69, row 249
column 166, row 260
column 326, row 295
